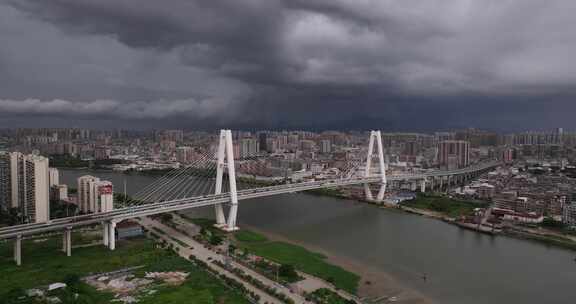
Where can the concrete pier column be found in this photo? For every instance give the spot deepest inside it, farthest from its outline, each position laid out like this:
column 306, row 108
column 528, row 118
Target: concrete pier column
column 220, row 166
column 64, row 241
column 233, row 212
column 18, row 250
column 68, row 235
column 381, row 192
column 105, row 233
column 112, row 237
column 368, row 193
column 423, row 186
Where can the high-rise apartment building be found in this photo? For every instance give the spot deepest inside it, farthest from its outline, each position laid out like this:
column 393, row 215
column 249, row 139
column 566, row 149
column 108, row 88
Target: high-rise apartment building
column 6, row 181
column 184, row 154
column 24, row 184
column 453, row 154
column 102, row 152
column 262, row 141
column 325, row 146
column 85, row 197
column 94, row 195
column 249, row 147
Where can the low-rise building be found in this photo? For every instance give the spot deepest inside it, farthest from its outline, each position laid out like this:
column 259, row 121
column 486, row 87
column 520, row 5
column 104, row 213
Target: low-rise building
column 519, row 217
column 127, row 229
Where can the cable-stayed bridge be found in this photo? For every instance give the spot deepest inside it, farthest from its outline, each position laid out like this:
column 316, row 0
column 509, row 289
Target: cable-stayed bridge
column 212, row 180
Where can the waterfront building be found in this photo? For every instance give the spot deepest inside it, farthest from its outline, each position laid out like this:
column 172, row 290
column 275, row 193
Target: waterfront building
column 24, row 184
column 53, row 177
column 102, row 152
column 94, row 195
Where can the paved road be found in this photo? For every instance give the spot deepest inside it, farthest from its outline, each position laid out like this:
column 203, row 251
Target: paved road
column 203, row 254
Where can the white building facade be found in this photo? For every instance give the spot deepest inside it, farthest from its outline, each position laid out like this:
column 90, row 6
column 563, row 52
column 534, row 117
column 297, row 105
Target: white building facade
column 95, row 195
column 53, row 177
column 24, row 184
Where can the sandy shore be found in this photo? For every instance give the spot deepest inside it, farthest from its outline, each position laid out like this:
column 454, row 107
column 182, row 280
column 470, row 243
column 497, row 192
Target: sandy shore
column 381, row 283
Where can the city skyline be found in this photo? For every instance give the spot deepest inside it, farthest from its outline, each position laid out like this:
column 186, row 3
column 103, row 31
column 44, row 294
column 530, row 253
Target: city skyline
column 394, row 65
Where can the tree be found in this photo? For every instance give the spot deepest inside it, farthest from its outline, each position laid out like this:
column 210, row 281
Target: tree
column 165, row 217
column 287, row 271
column 551, row 223
column 14, row 296
column 215, row 240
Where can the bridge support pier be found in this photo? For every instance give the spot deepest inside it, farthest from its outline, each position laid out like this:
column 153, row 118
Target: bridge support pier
column 218, row 208
column 68, row 241
column 18, row 250
column 112, row 235
column 105, row 233
column 375, row 136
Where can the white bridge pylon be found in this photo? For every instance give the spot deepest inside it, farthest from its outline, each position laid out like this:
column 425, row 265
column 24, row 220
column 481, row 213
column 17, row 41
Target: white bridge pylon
column 225, row 159
column 375, row 136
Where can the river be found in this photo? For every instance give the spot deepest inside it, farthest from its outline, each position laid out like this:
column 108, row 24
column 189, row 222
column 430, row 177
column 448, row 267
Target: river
column 462, row 267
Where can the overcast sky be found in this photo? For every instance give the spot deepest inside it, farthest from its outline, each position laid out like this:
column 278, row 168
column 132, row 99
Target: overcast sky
column 388, row 64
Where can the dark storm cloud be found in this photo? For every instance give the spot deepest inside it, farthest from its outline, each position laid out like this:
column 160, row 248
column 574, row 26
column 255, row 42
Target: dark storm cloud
column 233, row 37
column 314, row 63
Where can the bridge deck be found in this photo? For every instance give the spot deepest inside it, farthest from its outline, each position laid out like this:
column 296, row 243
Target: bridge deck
column 208, row 200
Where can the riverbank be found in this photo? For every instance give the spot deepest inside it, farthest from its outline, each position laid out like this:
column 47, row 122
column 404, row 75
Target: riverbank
column 373, row 283
column 541, row 236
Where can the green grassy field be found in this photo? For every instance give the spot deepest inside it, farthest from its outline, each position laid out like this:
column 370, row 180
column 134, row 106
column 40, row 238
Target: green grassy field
column 43, row 264
column 302, row 259
column 249, row 236
column 326, row 296
column 448, row 206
